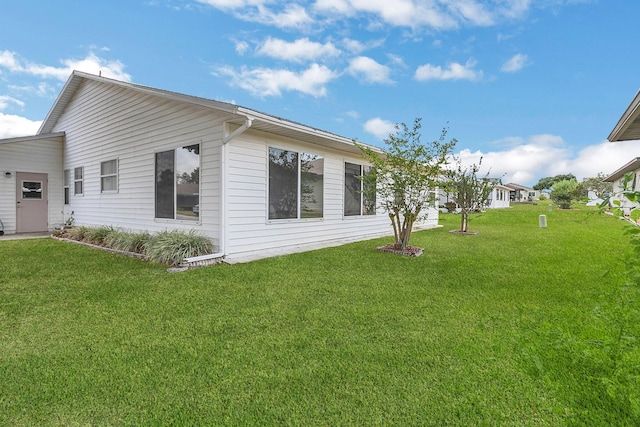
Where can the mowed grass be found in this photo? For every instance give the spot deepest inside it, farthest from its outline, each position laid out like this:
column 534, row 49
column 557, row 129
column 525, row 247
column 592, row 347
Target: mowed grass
column 515, row 326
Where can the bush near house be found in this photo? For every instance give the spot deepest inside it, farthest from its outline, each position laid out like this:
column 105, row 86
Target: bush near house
column 166, row 247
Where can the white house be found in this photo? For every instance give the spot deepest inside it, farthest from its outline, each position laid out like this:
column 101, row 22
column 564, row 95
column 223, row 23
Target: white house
column 627, row 128
column 499, row 197
column 521, row 193
column 139, row 158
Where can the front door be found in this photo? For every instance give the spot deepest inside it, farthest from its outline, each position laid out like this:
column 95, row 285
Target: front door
column 32, row 206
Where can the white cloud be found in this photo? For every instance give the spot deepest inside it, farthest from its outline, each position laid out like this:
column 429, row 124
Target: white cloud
column 369, row 70
column 525, row 161
column 454, row 71
column 272, row 82
column 242, row 47
column 471, row 11
column 90, row 64
column 13, row 126
column 5, row 100
column 379, row 128
column 291, row 15
column 297, row 51
column 515, row 63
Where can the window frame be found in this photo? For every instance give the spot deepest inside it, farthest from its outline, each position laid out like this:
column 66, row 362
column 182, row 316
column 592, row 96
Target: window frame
column 66, row 176
column 175, row 218
column 363, row 212
column 299, row 214
column 115, row 175
column 78, row 181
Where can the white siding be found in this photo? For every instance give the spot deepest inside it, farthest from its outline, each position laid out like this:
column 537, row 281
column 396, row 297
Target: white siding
column 105, row 122
column 40, row 155
column 252, row 235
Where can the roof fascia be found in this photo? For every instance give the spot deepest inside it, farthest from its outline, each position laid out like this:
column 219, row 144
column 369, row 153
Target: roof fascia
column 630, row 115
column 629, row 167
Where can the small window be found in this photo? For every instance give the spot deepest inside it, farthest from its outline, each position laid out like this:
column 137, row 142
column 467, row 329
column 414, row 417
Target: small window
column 358, row 200
column 67, row 185
column 109, row 176
column 32, row 190
column 78, row 181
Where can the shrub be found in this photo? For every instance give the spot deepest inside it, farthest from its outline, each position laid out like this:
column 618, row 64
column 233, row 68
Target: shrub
column 128, row 241
column 77, row 233
column 563, row 193
column 97, row 235
column 172, row 247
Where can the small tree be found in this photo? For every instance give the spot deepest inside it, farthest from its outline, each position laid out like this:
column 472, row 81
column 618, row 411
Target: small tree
column 405, row 175
column 548, row 182
column 563, row 193
column 468, row 191
column 595, row 184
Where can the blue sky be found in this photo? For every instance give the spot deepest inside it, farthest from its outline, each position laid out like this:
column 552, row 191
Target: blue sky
column 533, row 86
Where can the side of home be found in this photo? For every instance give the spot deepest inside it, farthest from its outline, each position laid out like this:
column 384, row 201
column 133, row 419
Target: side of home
column 140, row 158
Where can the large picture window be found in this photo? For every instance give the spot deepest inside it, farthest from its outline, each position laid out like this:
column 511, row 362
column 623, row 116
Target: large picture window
column 296, row 184
column 357, row 198
column 178, row 183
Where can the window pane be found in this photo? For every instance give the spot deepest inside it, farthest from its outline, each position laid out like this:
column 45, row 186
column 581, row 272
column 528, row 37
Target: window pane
column 31, row 190
column 311, row 190
column 188, row 182
column 67, row 177
column 109, row 183
column 352, row 185
column 165, row 184
column 77, row 187
column 369, row 199
column 77, row 173
column 66, row 195
column 109, row 168
column 283, row 184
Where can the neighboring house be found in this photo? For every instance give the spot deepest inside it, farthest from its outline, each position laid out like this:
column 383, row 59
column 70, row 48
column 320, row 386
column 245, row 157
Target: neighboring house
column 130, row 156
column 627, row 129
column 617, row 179
column 499, row 197
column 520, row 193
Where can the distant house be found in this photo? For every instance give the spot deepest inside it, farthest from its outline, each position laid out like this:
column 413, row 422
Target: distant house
column 617, row 179
column 500, row 197
column 627, row 129
column 139, row 158
column 521, row 193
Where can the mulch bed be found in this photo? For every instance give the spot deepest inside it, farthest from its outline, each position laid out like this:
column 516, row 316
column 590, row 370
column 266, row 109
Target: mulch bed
column 412, row 251
column 470, row 233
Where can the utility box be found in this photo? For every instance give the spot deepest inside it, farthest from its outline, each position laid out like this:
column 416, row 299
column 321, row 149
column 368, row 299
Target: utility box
column 543, row 221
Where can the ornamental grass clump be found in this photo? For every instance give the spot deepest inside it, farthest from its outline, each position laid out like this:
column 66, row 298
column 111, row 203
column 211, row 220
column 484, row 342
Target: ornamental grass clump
column 97, row 235
column 76, row 233
column 127, row 241
column 172, row 247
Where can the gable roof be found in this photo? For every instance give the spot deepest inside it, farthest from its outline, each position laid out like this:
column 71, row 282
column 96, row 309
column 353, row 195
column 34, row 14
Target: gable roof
column 241, row 115
column 629, row 167
column 517, row 186
column 628, row 127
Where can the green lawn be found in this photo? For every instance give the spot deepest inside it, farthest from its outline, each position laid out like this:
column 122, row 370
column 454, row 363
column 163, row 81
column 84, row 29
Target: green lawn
column 516, row 326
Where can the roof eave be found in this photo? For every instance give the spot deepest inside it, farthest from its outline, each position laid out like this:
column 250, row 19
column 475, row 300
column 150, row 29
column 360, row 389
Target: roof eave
column 629, row 167
column 630, row 116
